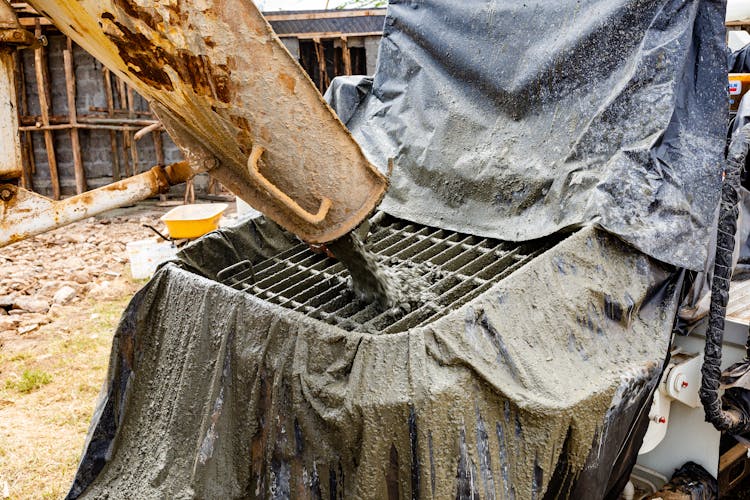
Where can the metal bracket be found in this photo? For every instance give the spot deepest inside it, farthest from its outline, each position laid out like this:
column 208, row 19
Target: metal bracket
column 11, row 31
column 278, row 194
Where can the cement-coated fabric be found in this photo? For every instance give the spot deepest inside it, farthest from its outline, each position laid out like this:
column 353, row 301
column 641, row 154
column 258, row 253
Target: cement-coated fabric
column 514, row 120
column 532, row 390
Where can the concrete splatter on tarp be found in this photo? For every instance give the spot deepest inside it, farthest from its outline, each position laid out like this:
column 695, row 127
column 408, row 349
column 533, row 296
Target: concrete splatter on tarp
column 532, row 388
column 514, row 120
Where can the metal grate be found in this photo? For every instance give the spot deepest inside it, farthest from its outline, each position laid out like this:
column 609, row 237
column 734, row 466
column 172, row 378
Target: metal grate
column 460, row 266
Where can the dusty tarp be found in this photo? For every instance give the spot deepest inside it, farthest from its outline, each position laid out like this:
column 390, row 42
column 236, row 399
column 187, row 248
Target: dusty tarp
column 739, row 60
column 541, row 384
column 516, row 119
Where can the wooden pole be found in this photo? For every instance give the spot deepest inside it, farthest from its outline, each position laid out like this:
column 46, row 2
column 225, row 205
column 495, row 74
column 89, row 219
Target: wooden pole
column 98, row 109
column 159, row 151
column 27, row 136
column 346, row 56
column 189, row 192
column 99, row 120
column 320, row 54
column 158, row 147
column 337, row 62
column 89, row 126
column 112, row 134
column 40, row 64
column 133, row 143
column 70, row 88
column 123, row 103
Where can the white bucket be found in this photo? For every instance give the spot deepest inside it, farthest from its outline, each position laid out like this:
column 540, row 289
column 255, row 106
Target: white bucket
column 145, row 255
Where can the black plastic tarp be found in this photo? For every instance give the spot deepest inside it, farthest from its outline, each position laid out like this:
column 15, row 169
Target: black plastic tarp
column 739, row 60
column 538, row 388
column 516, row 119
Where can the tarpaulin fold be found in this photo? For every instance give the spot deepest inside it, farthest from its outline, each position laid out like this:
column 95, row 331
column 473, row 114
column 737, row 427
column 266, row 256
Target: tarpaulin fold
column 535, row 388
column 516, row 120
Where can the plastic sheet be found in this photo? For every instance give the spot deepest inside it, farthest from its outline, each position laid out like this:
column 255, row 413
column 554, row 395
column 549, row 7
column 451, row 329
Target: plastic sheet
column 689, row 482
column 539, row 387
column 739, row 60
column 516, row 120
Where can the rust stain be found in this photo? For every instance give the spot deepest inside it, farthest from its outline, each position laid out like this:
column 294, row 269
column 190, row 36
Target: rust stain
column 288, row 82
column 240, row 122
column 144, row 59
column 85, row 198
column 117, row 186
column 158, row 180
column 222, row 83
column 16, row 237
column 244, row 137
column 176, row 16
column 178, row 172
column 135, row 11
column 147, row 60
column 265, row 134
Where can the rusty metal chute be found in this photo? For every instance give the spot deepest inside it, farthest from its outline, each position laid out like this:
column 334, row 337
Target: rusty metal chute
column 217, row 72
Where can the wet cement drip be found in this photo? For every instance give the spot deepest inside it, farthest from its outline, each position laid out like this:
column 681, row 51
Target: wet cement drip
column 395, row 287
column 369, row 282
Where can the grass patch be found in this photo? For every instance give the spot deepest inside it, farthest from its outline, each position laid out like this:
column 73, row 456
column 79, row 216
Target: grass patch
column 14, row 358
column 30, row 380
column 107, row 314
column 22, row 356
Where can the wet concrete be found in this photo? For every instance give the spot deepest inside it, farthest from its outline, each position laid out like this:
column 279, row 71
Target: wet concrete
column 369, row 282
column 396, row 286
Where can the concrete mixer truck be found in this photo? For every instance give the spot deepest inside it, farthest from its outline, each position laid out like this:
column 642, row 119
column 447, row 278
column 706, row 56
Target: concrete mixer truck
column 541, row 180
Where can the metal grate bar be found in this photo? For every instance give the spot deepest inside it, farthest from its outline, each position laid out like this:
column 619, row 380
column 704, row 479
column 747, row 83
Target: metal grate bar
column 452, row 252
column 403, row 248
column 460, row 267
column 520, row 261
column 370, row 314
column 443, row 288
column 393, row 242
column 455, row 293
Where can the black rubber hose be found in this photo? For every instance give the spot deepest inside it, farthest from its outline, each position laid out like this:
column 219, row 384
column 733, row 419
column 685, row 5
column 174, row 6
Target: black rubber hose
column 727, row 421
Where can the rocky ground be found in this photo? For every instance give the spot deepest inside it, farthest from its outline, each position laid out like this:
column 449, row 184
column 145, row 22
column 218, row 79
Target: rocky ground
column 61, row 296
column 67, row 266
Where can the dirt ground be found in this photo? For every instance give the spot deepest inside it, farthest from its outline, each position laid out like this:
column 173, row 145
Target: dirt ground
column 61, row 296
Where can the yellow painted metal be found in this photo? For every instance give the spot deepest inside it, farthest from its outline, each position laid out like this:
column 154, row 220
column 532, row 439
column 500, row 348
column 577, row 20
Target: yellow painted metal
column 193, row 221
column 10, row 144
column 216, row 68
column 739, row 84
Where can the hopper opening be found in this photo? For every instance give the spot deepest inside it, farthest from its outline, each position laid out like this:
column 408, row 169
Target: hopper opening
column 456, row 268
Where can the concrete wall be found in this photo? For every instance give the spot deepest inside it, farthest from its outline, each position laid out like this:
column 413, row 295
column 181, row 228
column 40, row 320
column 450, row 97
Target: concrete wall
column 292, row 45
column 372, row 46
